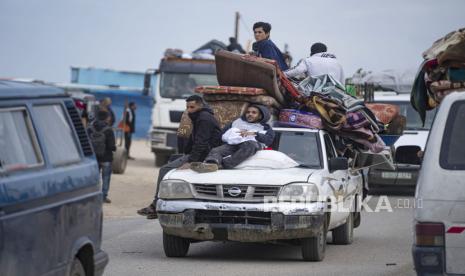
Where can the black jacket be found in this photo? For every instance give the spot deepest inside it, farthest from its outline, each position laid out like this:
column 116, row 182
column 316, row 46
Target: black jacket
column 110, row 144
column 131, row 122
column 266, row 138
column 206, row 134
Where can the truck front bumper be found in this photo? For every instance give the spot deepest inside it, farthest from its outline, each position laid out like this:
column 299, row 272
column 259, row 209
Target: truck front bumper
column 244, row 222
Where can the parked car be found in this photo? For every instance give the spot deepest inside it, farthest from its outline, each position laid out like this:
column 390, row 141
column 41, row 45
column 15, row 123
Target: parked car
column 439, row 220
column 228, row 205
column 50, row 198
column 404, row 151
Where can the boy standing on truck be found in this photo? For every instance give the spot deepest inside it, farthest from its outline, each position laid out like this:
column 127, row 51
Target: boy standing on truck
column 103, row 141
column 206, row 134
column 243, row 138
column 264, row 47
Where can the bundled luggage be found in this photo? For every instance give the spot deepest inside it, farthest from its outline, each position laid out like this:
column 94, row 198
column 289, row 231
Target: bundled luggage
column 442, row 72
column 319, row 103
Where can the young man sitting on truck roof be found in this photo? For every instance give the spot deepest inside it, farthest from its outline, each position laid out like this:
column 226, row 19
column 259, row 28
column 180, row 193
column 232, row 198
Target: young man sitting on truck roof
column 243, row 138
column 206, row 134
column 264, row 47
column 320, row 62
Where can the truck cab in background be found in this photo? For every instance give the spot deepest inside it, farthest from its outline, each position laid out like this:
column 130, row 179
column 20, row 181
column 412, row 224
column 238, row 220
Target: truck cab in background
column 404, row 150
column 176, row 80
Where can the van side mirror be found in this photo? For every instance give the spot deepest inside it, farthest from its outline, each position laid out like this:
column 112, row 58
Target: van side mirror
column 408, row 155
column 338, row 163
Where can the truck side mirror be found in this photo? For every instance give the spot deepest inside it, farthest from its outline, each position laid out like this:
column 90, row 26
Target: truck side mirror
column 338, row 163
column 408, row 155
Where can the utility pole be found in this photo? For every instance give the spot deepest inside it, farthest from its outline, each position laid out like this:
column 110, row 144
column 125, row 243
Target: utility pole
column 236, row 29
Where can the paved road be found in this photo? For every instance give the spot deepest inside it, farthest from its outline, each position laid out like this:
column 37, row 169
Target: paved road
column 381, row 247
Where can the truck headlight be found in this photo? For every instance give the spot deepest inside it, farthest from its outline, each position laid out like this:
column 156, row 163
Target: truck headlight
column 306, row 192
column 174, row 189
column 158, row 137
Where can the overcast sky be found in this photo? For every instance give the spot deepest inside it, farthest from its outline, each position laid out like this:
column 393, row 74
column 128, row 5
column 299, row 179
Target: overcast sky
column 42, row 39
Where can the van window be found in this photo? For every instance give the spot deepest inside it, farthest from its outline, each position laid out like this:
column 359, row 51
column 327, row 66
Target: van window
column 58, row 134
column 452, row 155
column 18, row 142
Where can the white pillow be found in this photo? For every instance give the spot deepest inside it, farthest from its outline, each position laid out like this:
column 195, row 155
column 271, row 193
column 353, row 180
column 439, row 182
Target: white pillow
column 268, row 159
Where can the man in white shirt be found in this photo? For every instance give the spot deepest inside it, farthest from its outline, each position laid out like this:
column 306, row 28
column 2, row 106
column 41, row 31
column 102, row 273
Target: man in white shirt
column 320, row 62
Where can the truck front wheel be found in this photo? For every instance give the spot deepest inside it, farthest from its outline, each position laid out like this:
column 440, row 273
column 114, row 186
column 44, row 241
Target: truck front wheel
column 175, row 246
column 313, row 249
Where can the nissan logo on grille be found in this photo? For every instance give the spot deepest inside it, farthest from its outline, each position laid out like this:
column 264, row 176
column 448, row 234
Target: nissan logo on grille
column 234, row 191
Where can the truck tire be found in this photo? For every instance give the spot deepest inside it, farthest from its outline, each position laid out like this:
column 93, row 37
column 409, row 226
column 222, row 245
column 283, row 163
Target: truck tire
column 77, row 269
column 120, row 160
column 313, row 249
column 357, row 213
column 344, row 234
column 161, row 159
column 175, row 246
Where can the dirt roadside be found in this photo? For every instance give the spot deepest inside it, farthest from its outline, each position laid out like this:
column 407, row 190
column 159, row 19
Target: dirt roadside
column 136, row 187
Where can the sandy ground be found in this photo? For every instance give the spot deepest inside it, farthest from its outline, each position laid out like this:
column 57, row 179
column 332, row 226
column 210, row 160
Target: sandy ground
column 136, row 187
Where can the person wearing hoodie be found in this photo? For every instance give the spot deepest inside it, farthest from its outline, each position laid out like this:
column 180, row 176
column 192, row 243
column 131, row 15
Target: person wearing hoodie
column 319, row 63
column 206, row 134
column 243, row 137
column 264, row 47
column 103, row 141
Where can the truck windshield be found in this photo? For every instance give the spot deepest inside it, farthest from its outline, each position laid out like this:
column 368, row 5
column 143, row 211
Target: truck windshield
column 182, row 85
column 413, row 118
column 301, row 146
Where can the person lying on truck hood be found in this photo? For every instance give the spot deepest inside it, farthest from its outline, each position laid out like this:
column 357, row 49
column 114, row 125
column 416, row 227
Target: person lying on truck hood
column 206, row 134
column 243, row 138
column 320, row 62
column 264, row 47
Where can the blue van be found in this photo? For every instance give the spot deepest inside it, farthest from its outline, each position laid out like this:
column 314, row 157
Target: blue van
column 50, row 198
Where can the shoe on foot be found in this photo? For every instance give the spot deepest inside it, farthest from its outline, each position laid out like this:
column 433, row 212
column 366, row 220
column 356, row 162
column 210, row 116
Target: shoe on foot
column 149, row 210
column 195, row 165
column 206, row 168
column 106, row 200
column 152, row 216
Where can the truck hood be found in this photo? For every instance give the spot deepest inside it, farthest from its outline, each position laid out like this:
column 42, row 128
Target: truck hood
column 256, row 177
column 413, row 138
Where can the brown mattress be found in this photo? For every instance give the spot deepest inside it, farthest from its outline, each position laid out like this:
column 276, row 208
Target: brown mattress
column 243, row 71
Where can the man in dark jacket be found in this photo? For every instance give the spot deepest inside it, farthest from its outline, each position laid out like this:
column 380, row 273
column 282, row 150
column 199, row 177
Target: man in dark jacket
column 131, row 122
column 103, row 141
column 243, row 138
column 264, row 47
column 206, row 134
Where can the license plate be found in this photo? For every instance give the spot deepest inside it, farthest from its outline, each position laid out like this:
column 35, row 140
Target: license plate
column 389, row 175
column 398, row 175
column 404, row 175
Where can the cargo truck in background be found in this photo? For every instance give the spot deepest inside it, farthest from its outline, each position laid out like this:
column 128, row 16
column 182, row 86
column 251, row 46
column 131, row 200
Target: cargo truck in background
column 176, row 80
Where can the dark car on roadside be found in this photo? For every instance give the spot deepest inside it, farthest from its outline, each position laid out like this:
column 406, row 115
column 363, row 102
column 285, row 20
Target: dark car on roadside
column 50, row 196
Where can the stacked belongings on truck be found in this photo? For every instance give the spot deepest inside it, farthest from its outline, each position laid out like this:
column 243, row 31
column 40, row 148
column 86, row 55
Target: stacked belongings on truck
column 442, row 71
column 243, row 81
column 341, row 114
column 314, row 103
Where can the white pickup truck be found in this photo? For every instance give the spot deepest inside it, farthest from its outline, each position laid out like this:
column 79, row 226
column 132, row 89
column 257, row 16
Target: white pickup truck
column 266, row 205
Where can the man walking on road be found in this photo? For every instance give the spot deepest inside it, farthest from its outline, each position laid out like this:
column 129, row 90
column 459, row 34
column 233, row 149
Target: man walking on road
column 206, row 134
column 103, row 141
column 131, row 122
